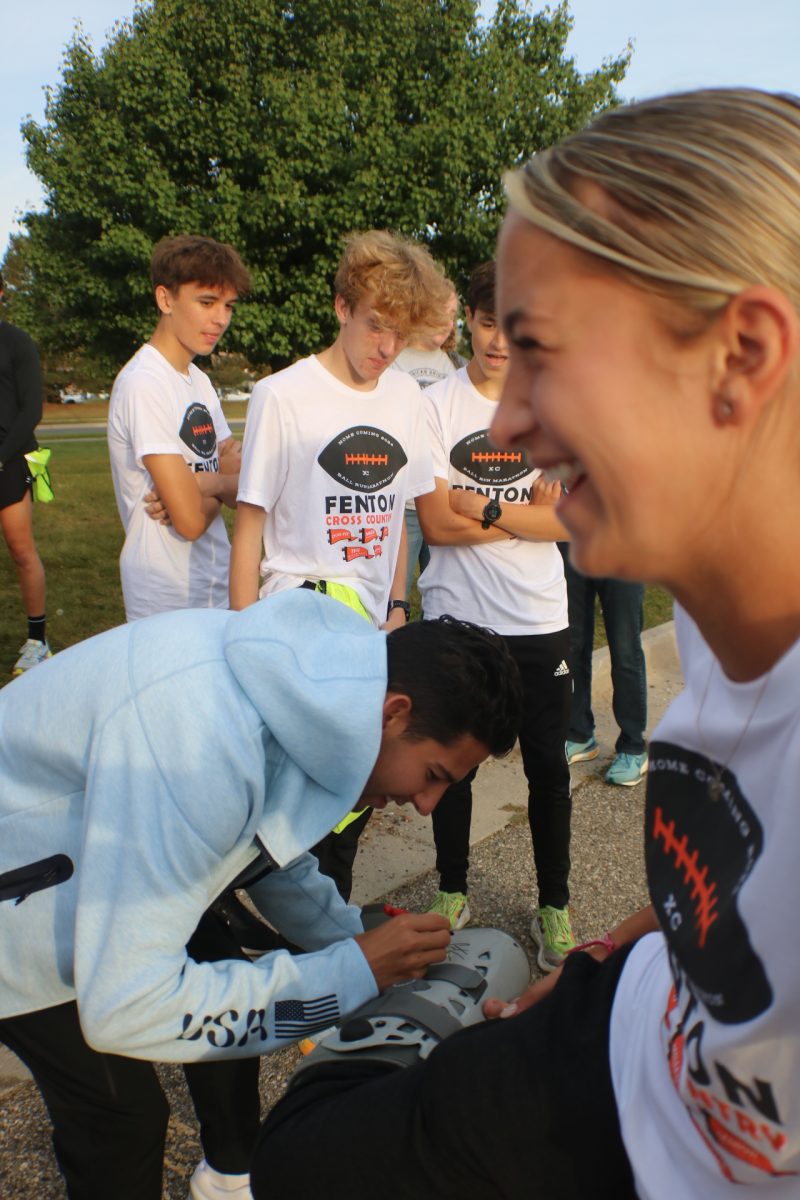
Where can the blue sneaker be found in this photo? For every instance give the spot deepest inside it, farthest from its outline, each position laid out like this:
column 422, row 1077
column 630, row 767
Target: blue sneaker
column 581, row 751
column 627, row 769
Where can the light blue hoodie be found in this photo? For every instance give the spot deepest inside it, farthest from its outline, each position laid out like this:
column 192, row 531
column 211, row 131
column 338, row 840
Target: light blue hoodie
column 154, row 756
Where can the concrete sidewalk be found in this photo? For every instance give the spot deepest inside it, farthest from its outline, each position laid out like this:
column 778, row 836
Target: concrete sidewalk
column 397, row 845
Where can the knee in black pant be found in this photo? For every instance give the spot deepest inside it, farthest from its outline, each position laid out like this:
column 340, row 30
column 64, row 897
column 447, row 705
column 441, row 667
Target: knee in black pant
column 143, row 1123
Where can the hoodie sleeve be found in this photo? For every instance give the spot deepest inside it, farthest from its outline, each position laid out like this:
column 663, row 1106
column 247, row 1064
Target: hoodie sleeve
column 305, row 906
column 165, row 835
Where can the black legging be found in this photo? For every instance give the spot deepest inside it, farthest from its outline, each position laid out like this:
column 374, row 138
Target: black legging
column 547, row 697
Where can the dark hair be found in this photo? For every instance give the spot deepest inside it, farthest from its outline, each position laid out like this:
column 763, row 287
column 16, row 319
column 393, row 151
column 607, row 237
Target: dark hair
column 193, row 259
column 481, row 287
column 460, row 678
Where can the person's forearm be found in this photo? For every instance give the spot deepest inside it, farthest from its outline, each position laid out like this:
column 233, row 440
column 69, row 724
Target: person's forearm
column 193, row 520
column 243, row 589
column 449, row 528
column 246, row 550
column 221, row 487
column 532, row 523
column 635, row 926
column 398, row 589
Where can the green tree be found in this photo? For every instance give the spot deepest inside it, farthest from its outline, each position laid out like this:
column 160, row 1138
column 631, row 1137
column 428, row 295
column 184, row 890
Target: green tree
column 278, row 126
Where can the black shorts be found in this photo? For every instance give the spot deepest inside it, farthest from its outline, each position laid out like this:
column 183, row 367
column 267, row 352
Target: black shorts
column 15, row 480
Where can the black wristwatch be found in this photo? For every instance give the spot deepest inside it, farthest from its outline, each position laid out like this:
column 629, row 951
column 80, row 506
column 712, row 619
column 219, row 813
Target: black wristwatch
column 492, row 512
column 406, row 607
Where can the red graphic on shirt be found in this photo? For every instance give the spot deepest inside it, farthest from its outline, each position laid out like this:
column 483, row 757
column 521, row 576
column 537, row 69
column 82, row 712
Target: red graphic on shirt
column 702, row 893
column 366, row 460
column 377, row 551
column 736, row 1119
column 340, row 535
column 727, row 1140
column 367, row 535
column 197, row 432
column 384, row 533
column 496, row 456
column 730, row 1131
column 352, row 552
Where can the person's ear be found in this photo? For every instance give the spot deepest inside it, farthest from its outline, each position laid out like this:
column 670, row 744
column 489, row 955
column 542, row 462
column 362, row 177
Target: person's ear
column 396, row 712
column 164, row 300
column 760, row 336
column 469, row 317
column 342, row 309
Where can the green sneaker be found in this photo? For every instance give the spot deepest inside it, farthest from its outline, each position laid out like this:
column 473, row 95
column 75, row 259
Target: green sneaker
column 552, row 932
column 452, row 905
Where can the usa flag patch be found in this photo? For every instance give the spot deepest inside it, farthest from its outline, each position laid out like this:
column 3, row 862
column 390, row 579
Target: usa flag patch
column 296, row 1018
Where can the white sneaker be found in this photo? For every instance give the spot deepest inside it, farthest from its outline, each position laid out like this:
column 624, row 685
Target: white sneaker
column 30, row 655
column 208, row 1184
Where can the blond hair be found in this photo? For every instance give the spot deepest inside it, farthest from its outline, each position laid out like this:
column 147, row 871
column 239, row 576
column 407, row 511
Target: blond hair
column 451, row 341
column 699, row 193
column 404, row 285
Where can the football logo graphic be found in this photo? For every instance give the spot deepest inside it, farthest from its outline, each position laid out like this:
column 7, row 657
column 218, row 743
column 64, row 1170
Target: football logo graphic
column 197, row 431
column 477, row 458
column 363, row 458
column 699, row 853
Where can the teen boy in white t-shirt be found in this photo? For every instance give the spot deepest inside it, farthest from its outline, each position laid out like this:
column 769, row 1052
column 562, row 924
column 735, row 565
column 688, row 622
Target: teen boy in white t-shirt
column 494, row 561
column 174, row 464
column 335, row 444
column 333, row 447
column 164, row 417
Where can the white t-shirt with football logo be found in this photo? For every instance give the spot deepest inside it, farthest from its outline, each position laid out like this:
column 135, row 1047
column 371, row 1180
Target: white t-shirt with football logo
column 332, row 467
column 515, row 587
column 426, row 367
column 705, row 1048
column 154, row 409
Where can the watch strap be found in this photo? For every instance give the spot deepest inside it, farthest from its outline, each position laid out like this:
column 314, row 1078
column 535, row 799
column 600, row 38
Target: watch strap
column 406, row 607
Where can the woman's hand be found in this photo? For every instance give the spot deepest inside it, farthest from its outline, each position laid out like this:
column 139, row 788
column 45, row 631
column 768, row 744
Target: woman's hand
column 500, row 1009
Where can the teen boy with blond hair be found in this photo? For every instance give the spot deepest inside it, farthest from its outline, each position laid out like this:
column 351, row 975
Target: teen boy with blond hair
column 164, row 417
column 335, row 444
column 333, row 447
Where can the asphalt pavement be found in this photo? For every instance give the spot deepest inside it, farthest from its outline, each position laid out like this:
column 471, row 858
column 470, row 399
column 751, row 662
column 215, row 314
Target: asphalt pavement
column 394, row 863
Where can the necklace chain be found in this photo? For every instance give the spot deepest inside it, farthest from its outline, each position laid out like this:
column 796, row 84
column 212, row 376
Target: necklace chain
column 715, row 785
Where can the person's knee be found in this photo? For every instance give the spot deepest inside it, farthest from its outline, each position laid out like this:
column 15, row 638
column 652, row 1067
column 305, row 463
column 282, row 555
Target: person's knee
column 143, row 1123
column 22, row 548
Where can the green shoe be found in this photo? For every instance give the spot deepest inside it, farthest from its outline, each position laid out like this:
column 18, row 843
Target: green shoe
column 452, row 905
column 552, row 932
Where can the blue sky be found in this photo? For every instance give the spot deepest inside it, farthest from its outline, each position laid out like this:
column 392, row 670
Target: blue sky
column 678, row 44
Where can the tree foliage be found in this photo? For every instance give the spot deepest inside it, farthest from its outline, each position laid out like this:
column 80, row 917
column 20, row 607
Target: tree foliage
column 278, row 126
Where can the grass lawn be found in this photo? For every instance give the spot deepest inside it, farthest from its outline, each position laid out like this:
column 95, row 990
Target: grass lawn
column 79, row 537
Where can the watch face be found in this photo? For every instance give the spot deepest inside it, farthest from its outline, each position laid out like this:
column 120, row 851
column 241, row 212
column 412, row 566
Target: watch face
column 492, row 511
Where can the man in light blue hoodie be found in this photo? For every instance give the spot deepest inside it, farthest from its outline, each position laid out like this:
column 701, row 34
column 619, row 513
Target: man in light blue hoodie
column 145, row 772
